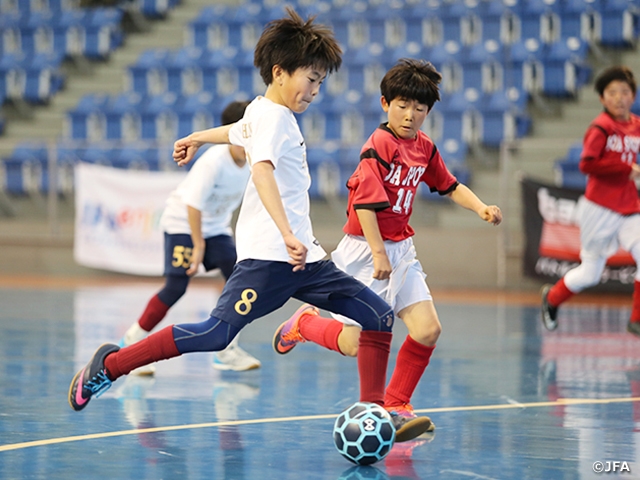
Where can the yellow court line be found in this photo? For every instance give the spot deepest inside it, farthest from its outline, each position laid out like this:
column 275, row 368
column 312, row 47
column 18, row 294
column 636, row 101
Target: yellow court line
column 471, row 408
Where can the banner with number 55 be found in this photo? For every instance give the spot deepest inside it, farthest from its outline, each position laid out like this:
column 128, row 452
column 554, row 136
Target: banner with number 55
column 118, row 212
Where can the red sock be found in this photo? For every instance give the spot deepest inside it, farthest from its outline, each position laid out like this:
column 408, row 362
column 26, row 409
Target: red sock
column 411, row 363
column 373, row 356
column 635, row 308
column 323, row 331
column 153, row 314
column 157, row 346
column 559, row 294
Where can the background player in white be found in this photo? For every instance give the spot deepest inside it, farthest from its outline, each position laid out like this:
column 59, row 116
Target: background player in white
column 610, row 209
column 378, row 247
column 197, row 230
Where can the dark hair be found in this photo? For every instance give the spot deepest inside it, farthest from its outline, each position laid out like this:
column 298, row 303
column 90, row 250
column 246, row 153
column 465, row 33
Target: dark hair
column 233, row 112
column 293, row 43
column 620, row 72
column 412, row 79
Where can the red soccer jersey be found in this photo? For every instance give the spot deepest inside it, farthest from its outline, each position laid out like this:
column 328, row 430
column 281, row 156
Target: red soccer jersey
column 387, row 178
column 609, row 148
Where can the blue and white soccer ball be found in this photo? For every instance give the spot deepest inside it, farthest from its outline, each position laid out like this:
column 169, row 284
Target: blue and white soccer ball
column 364, row 433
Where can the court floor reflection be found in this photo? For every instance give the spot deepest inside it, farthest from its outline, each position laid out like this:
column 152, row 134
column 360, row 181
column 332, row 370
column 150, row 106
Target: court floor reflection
column 509, row 400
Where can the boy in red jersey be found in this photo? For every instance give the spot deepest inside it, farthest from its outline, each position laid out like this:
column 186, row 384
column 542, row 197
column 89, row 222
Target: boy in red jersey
column 378, row 249
column 610, row 206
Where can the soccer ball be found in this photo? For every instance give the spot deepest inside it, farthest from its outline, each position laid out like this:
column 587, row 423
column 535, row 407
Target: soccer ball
column 364, row 433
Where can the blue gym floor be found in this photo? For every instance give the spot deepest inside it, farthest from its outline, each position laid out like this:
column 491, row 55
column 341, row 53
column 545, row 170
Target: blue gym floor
column 509, row 400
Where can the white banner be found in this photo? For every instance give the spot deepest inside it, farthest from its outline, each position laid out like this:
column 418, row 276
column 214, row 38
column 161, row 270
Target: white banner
column 117, row 218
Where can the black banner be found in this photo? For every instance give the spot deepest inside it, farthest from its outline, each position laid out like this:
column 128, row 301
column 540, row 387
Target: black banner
column 552, row 238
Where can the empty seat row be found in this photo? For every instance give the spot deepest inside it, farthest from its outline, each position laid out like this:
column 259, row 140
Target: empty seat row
column 148, row 8
column 34, row 78
column 558, row 69
column 26, row 170
column 357, row 23
column 89, row 32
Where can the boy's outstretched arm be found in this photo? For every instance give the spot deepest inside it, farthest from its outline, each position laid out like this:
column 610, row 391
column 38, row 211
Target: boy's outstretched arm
column 265, row 182
column 185, row 148
column 464, row 197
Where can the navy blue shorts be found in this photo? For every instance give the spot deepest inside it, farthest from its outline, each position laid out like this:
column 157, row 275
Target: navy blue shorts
column 258, row 287
column 220, row 252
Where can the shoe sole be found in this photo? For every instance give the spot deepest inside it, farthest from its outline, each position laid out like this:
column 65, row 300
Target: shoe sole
column 70, row 396
column 544, row 291
column 413, row 428
column 222, row 366
column 275, row 342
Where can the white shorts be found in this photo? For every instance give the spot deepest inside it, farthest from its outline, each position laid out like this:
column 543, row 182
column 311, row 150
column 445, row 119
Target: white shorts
column 603, row 231
column 406, row 284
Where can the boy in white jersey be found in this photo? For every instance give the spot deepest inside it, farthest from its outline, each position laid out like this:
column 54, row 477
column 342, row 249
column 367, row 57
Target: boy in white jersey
column 610, row 208
column 378, row 247
column 278, row 256
column 197, row 230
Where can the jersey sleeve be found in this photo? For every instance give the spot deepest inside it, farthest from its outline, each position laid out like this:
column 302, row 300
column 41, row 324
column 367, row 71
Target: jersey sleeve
column 366, row 187
column 437, row 176
column 592, row 161
column 201, row 179
column 269, row 138
column 235, row 134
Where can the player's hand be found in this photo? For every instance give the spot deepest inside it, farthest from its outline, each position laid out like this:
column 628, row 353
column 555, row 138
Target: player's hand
column 491, row 214
column 197, row 256
column 184, row 150
column 381, row 266
column 297, row 252
column 635, row 171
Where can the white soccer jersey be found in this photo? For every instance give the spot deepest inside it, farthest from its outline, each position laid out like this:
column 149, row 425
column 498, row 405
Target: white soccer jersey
column 270, row 132
column 214, row 185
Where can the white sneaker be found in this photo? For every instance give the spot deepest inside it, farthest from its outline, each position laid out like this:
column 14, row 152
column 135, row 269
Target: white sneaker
column 235, row 358
column 133, row 335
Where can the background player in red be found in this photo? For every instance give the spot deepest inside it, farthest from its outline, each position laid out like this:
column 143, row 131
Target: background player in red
column 377, row 248
column 610, row 206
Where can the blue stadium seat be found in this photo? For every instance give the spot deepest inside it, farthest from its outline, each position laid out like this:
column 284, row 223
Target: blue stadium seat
column 565, row 68
column 69, row 32
column 139, row 156
column 499, row 22
column 196, row 112
column 324, row 168
column 184, row 73
column 103, row 32
column 10, row 39
column 43, row 76
column 156, row 8
column 24, row 168
column 13, row 76
column 36, row 33
column 148, row 76
column 87, row 120
column 123, row 120
column 159, row 118
column 523, row 67
column 99, row 154
column 423, row 23
column 219, row 73
column 209, row 30
column 482, row 67
column 568, row 174
column 619, row 23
